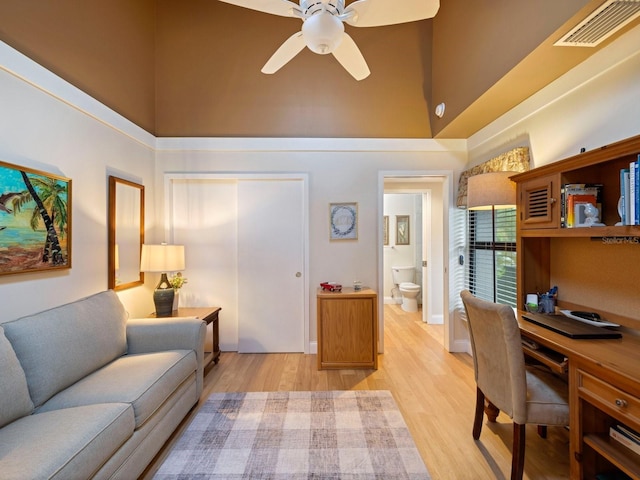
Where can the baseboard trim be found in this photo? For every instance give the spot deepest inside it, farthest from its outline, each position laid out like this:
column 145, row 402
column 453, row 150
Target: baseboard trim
column 461, row 346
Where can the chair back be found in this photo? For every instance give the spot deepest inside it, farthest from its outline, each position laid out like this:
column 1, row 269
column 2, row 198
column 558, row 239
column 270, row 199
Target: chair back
column 498, row 358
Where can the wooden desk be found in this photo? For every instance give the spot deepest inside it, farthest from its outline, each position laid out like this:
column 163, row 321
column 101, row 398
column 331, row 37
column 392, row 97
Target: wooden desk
column 604, row 389
column 210, row 316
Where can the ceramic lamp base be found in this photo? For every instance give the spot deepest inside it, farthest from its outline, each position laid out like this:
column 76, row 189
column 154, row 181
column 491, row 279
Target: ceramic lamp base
column 163, row 297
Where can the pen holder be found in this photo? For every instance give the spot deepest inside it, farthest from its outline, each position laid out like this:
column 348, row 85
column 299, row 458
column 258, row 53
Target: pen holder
column 547, row 303
column 531, row 303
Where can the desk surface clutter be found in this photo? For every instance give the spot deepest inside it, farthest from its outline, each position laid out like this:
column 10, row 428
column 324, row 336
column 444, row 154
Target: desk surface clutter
column 604, row 391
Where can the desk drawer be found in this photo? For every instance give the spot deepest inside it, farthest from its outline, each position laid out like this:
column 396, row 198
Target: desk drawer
column 609, row 398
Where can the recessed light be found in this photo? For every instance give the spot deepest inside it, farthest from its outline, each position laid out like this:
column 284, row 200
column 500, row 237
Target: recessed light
column 440, row 110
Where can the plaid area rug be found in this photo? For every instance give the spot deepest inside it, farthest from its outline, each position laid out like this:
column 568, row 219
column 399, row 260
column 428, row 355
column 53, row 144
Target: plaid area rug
column 338, row 435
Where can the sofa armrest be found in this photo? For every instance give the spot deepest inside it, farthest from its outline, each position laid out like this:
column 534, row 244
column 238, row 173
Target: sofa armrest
column 146, row 335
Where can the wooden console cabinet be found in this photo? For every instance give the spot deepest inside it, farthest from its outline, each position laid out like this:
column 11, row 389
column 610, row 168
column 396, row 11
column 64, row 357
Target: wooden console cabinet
column 347, row 329
column 596, row 269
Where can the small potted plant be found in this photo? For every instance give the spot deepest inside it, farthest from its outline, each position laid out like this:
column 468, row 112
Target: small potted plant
column 177, row 281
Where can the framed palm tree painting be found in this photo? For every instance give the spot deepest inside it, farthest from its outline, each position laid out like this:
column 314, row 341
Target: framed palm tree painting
column 35, row 220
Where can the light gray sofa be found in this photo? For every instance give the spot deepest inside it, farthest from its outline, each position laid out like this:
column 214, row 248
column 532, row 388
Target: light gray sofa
column 86, row 393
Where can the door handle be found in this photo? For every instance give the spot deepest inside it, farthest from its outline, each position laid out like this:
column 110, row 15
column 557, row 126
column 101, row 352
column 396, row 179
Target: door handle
column 298, row 274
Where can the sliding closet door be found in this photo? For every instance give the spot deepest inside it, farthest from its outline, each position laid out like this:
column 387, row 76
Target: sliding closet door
column 203, row 219
column 270, row 266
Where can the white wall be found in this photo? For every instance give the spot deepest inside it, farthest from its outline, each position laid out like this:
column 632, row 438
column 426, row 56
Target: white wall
column 68, row 133
column 40, row 131
column 594, row 104
column 338, row 171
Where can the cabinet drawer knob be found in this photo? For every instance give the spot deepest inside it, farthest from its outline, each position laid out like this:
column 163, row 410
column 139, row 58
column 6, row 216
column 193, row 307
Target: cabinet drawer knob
column 620, row 402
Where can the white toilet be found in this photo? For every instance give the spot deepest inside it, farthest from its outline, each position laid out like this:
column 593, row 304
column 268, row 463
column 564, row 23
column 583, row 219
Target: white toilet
column 403, row 277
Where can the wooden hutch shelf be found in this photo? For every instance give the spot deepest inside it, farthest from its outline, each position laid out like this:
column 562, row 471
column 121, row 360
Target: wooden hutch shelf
column 594, row 272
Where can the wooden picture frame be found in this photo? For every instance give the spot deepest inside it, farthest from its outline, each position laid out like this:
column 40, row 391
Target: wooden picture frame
column 343, row 221
column 35, row 220
column 402, row 230
column 126, row 233
column 385, row 230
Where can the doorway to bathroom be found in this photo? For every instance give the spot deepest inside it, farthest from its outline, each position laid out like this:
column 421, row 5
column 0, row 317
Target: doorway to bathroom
column 415, row 232
column 406, row 251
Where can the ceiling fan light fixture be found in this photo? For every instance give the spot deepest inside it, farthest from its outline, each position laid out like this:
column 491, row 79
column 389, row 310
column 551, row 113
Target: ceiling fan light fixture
column 323, row 32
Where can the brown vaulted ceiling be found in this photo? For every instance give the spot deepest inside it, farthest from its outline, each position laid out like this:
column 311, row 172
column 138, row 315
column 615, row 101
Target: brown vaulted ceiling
column 192, row 67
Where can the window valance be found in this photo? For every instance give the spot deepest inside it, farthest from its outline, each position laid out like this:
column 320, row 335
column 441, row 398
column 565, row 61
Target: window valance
column 516, row 160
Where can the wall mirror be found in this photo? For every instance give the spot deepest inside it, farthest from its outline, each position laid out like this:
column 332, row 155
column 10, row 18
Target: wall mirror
column 126, row 233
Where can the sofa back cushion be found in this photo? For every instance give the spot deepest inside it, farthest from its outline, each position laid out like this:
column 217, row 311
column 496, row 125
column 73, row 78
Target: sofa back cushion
column 58, row 347
column 14, row 394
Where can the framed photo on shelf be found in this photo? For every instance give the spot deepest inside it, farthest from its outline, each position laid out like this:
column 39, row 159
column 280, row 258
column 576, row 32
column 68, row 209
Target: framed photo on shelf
column 402, row 229
column 35, row 220
column 385, row 230
column 343, row 221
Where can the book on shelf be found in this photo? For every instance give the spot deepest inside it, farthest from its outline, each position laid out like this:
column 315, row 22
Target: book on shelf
column 626, row 437
column 575, row 209
column 631, row 220
column 572, row 194
column 636, row 166
column 624, row 196
column 630, row 194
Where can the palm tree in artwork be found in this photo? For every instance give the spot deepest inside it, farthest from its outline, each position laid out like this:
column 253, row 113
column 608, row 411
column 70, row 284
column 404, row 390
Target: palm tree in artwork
column 51, row 207
column 11, row 198
column 10, row 201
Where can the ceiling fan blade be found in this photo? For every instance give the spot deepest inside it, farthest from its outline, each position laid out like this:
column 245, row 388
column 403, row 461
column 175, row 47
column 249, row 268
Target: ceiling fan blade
column 375, row 13
column 284, row 8
column 350, row 57
column 289, row 49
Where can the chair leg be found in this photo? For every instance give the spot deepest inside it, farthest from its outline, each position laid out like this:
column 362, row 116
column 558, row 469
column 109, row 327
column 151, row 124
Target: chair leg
column 542, row 431
column 477, row 421
column 517, row 462
column 492, row 411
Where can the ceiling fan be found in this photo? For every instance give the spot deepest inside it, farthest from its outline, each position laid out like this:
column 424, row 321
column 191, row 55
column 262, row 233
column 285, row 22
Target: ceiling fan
column 323, row 26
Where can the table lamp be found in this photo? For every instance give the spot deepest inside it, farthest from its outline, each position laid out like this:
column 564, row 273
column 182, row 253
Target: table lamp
column 162, row 258
column 491, row 191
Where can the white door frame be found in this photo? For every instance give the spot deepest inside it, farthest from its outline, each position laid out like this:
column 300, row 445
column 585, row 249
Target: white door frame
column 427, row 249
column 169, row 178
column 447, row 201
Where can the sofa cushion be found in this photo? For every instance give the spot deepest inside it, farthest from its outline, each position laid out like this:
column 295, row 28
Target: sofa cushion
column 64, row 444
column 14, row 394
column 58, row 347
column 145, row 381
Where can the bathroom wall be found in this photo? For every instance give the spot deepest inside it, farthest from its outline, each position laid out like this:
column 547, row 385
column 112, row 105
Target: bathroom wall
column 401, row 255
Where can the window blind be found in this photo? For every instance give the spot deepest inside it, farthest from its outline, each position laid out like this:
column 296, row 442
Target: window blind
column 492, row 255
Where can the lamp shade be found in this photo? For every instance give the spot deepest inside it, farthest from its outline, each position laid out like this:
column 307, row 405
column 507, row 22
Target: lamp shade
column 491, row 190
column 162, row 258
column 323, row 32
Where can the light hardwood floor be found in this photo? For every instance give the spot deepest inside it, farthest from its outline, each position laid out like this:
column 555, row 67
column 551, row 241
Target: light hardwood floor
column 434, row 389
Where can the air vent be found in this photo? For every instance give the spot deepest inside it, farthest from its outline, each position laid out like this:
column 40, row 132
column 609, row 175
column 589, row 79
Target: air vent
column 538, row 203
column 610, row 17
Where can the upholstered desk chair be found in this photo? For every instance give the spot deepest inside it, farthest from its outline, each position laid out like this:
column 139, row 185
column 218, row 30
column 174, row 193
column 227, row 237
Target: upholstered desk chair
column 527, row 395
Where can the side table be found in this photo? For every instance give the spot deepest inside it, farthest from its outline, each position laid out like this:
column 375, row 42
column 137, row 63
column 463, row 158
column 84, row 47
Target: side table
column 210, row 316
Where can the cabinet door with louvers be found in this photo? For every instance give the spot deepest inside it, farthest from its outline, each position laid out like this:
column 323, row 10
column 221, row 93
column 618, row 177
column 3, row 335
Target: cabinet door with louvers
column 539, row 203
